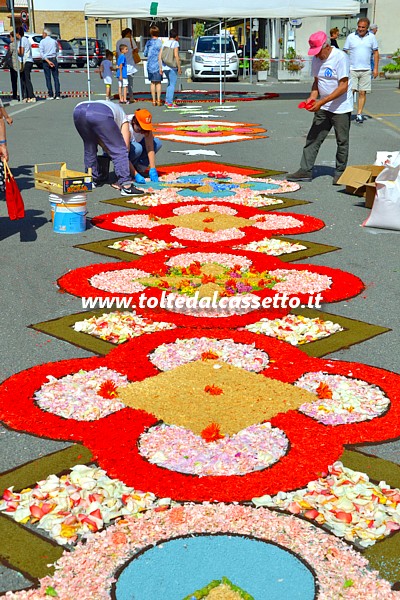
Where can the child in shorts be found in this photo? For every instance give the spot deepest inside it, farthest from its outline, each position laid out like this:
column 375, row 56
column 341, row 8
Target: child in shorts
column 106, row 68
column 122, row 74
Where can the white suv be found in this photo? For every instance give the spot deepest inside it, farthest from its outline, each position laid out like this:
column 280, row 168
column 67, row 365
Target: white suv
column 209, row 54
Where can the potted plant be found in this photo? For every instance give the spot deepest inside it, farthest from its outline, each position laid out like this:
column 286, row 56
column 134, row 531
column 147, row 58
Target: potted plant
column 261, row 64
column 392, row 70
column 294, row 62
column 292, row 65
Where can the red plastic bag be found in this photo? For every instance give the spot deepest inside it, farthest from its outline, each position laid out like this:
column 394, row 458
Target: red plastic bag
column 307, row 105
column 15, row 204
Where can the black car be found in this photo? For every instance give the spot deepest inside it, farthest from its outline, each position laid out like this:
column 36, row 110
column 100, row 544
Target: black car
column 97, row 51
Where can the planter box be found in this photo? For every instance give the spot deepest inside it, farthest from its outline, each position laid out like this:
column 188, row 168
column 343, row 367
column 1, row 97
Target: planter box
column 262, row 75
column 284, row 75
column 392, row 75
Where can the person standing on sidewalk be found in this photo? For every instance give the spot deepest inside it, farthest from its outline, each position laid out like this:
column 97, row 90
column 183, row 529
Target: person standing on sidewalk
column 359, row 45
column 334, row 33
column 171, row 73
column 14, row 65
column 330, row 69
column 48, row 49
column 25, row 57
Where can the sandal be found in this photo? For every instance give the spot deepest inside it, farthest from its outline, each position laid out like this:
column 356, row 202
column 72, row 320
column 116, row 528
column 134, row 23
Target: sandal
column 160, row 102
column 115, row 186
column 154, row 103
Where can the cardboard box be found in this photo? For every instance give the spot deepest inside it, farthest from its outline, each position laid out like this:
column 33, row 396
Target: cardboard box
column 63, row 180
column 356, row 178
column 370, row 195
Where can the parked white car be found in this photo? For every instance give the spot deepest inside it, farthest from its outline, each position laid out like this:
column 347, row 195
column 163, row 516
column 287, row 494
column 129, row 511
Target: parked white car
column 210, row 54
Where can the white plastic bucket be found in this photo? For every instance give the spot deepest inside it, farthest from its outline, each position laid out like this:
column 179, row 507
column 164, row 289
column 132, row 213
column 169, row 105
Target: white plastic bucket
column 68, row 213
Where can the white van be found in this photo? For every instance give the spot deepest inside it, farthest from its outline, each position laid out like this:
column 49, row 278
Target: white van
column 210, row 53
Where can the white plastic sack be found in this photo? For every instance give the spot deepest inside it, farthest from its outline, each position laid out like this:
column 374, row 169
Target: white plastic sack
column 385, row 212
column 389, row 159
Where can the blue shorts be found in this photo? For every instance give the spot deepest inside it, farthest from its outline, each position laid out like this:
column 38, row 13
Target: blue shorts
column 154, row 77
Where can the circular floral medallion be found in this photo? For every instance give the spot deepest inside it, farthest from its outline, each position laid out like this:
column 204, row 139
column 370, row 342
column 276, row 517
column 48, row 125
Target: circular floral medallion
column 222, row 401
column 318, row 559
column 209, row 223
column 212, row 285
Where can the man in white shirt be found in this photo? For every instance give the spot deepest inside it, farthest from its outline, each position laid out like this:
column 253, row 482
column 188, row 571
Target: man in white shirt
column 48, row 49
column 359, row 45
column 330, row 69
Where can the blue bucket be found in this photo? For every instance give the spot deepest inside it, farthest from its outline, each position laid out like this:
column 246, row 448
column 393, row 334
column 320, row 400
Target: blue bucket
column 68, row 213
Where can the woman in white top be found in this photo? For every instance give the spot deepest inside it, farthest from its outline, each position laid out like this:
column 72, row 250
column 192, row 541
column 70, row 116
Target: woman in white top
column 171, row 73
column 25, row 56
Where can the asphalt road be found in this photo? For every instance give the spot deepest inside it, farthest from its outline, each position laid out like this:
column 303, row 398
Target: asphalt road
column 33, row 257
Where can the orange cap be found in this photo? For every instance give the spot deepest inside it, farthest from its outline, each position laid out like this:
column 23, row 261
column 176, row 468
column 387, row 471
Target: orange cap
column 144, row 119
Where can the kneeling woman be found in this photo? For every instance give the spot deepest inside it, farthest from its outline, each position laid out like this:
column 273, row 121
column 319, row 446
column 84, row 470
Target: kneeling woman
column 143, row 146
column 101, row 123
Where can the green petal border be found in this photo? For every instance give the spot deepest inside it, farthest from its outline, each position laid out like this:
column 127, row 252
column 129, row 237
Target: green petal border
column 101, row 247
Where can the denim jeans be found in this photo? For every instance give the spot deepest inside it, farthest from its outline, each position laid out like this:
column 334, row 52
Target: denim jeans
column 172, row 76
column 138, row 152
column 48, row 72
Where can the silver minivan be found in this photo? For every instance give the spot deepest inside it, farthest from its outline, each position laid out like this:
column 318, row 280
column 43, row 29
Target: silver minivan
column 210, row 53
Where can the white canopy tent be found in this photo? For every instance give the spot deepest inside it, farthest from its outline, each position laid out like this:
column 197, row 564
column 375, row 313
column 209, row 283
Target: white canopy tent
column 210, row 9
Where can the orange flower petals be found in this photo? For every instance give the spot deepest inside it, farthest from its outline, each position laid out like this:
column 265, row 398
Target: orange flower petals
column 213, row 390
column 209, row 355
column 324, row 392
column 108, row 389
column 212, row 432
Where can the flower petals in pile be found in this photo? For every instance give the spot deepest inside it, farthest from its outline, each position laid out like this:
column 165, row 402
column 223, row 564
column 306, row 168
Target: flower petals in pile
column 243, row 197
column 226, row 260
column 190, row 208
column 184, row 233
column 76, row 396
column 272, row 247
column 94, row 564
column 119, row 282
column 79, row 503
column 351, row 401
column 300, row 282
column 276, row 222
column 345, row 502
column 135, row 220
column 144, row 245
column 118, row 327
column 178, row 449
column 295, row 329
column 244, row 356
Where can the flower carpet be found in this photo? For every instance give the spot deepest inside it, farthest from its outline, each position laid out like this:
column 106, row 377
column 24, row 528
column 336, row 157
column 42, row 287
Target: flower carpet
column 216, row 438
column 208, row 132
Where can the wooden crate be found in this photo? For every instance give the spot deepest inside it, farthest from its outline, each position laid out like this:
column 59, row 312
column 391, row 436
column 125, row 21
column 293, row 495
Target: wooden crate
column 62, row 181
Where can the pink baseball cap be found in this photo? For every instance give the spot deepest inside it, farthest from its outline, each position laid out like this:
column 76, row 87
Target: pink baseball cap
column 316, row 41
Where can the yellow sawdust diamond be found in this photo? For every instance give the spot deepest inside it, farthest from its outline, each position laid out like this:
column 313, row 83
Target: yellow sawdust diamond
column 212, row 220
column 182, row 396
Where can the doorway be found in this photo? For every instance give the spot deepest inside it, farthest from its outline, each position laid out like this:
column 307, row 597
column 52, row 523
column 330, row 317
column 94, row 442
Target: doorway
column 103, row 32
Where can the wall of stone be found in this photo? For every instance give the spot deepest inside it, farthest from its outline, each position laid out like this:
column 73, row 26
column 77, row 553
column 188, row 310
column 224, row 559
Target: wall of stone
column 72, row 24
